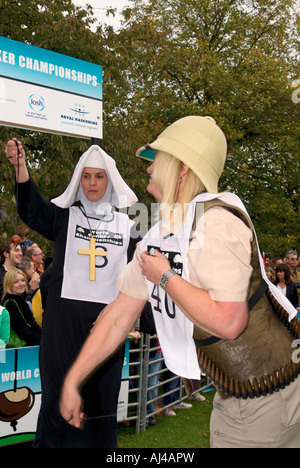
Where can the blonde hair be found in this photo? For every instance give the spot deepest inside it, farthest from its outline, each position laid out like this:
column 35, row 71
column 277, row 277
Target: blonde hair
column 10, row 279
column 271, row 270
column 166, row 175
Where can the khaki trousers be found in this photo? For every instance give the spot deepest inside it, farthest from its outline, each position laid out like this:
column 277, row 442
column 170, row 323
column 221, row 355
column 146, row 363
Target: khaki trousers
column 272, row 421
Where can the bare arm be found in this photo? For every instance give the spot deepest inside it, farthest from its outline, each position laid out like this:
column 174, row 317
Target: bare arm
column 18, row 161
column 223, row 319
column 110, row 330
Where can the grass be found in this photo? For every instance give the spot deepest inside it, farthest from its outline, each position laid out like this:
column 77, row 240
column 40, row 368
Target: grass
column 189, row 429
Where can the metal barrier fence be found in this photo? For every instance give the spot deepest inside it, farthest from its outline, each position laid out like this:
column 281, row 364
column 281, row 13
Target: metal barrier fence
column 143, row 396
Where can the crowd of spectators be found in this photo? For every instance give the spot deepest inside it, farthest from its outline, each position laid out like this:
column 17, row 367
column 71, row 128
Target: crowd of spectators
column 26, row 256
column 21, row 271
column 285, row 273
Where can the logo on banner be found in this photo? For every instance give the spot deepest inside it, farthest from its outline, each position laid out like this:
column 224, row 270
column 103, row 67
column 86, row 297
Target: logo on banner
column 36, row 108
column 36, row 103
column 79, row 109
column 79, row 117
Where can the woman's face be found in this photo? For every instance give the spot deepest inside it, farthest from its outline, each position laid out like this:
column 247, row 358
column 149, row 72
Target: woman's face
column 152, row 187
column 269, row 275
column 280, row 275
column 94, row 183
column 19, row 286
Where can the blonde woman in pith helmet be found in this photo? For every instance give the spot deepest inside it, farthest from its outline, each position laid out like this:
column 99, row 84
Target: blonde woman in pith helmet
column 189, row 159
column 204, row 277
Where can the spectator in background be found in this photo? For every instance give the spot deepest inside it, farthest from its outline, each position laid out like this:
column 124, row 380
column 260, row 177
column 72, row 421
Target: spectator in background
column 23, row 232
column 174, row 396
column 291, row 259
column 36, row 255
column 270, row 273
column 21, row 318
column 147, row 325
column 33, row 277
column 4, row 327
column 286, row 285
column 33, row 298
column 11, row 256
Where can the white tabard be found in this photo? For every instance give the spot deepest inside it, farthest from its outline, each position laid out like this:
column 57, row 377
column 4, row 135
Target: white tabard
column 174, row 329
column 112, row 237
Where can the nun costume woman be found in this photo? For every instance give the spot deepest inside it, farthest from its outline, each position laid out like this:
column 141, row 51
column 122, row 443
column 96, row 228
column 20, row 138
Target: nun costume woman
column 93, row 244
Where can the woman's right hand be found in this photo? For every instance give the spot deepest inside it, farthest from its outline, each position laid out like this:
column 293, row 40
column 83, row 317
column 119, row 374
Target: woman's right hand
column 11, row 152
column 16, row 155
column 34, row 283
column 71, row 405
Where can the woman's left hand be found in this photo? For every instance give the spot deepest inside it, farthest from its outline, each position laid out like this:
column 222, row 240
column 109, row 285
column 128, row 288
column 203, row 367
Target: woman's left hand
column 153, row 267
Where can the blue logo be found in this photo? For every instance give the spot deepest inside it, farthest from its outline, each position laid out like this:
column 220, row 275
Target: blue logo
column 79, row 109
column 37, row 103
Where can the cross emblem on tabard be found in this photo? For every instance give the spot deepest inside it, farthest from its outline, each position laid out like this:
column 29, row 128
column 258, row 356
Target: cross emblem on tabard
column 93, row 253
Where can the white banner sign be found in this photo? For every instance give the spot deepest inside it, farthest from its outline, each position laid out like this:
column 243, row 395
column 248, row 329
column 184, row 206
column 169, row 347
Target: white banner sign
column 43, row 90
column 24, row 105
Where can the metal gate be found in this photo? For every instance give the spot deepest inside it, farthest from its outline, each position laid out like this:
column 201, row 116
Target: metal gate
column 140, row 388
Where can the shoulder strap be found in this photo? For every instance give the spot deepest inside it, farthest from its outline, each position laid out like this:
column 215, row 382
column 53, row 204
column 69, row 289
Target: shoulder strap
column 15, row 302
column 262, row 288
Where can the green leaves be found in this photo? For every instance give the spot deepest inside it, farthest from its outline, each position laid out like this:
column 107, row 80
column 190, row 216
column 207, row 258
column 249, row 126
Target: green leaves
column 232, row 60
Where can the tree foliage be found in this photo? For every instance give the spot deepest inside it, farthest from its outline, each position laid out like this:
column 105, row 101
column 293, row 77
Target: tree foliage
column 235, row 60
